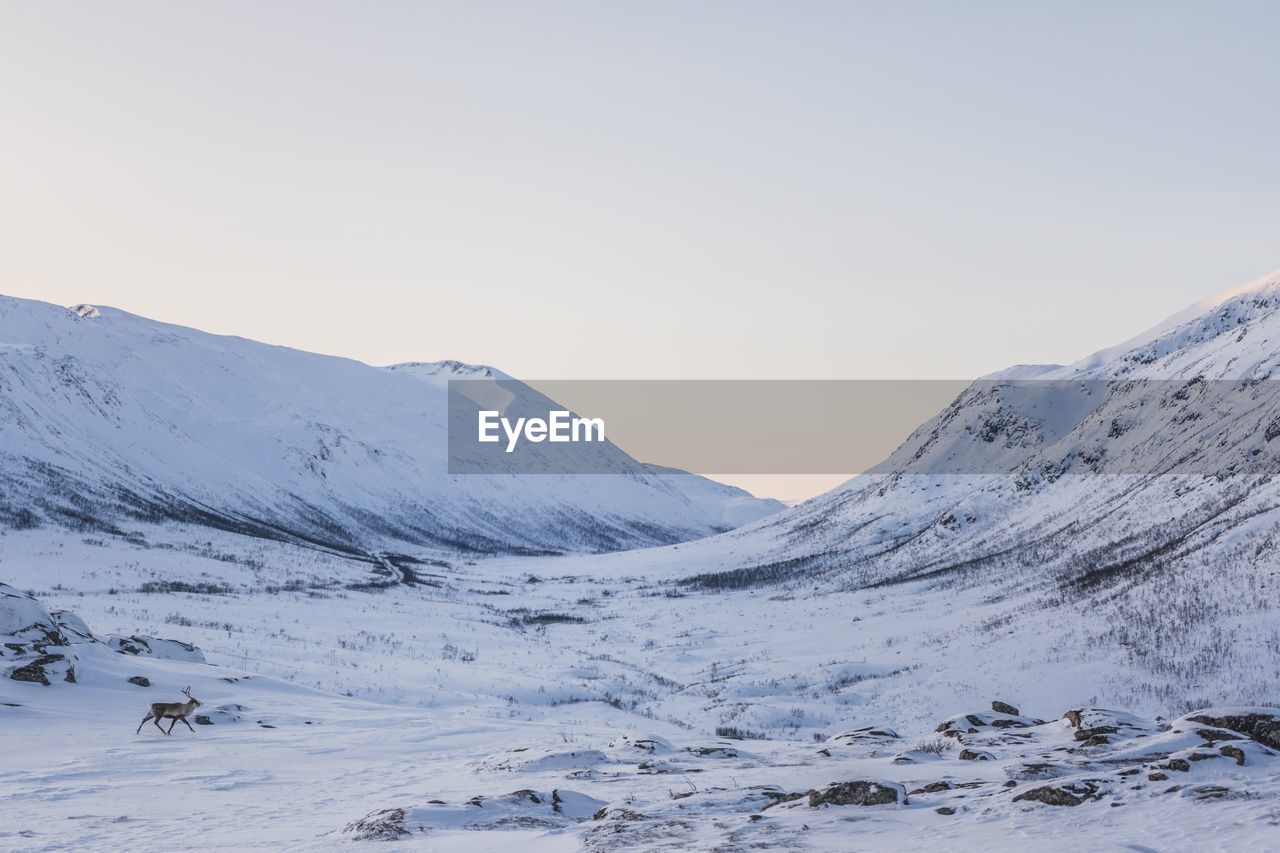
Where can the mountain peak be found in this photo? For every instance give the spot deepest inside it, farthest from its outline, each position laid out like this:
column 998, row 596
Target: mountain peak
column 448, row 368
column 1220, row 335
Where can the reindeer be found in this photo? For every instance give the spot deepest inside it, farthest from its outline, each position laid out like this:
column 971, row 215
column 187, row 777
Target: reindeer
column 175, row 711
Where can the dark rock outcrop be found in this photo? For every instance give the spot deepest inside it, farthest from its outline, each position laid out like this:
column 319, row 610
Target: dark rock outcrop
column 35, row 671
column 859, row 793
column 384, row 825
column 1070, row 794
column 1261, row 724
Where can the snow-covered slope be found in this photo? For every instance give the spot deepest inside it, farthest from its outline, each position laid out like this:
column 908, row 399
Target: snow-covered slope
column 1062, row 538
column 1136, row 486
column 106, row 416
column 733, row 506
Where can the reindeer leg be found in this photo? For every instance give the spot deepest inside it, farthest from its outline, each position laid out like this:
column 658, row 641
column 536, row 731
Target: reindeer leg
column 143, row 723
column 187, row 724
column 171, row 725
column 158, row 726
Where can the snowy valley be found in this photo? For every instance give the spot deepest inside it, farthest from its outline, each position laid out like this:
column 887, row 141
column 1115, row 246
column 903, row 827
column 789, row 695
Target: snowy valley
column 1004, row 637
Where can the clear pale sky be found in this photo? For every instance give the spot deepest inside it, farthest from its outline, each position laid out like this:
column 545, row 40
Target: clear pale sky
column 644, row 189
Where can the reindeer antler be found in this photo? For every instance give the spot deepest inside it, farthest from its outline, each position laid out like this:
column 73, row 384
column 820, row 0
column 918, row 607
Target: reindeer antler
column 187, row 691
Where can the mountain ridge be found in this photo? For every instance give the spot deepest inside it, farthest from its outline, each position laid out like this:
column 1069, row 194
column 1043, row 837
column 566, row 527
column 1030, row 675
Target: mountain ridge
column 1147, row 554
column 108, row 416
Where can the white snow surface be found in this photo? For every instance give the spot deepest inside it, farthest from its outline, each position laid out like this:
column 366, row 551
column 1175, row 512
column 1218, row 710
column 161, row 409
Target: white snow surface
column 437, row 714
column 689, row 696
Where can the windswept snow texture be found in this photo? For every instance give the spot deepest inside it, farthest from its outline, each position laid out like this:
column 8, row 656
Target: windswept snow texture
column 106, row 417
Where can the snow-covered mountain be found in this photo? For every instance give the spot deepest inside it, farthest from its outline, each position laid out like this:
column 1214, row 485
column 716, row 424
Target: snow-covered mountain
column 1135, row 488
column 924, row 655
column 107, row 417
